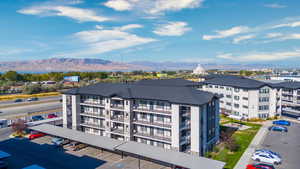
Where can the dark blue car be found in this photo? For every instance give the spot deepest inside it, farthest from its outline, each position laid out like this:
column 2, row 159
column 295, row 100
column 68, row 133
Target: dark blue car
column 282, row 122
column 278, row 128
column 37, row 118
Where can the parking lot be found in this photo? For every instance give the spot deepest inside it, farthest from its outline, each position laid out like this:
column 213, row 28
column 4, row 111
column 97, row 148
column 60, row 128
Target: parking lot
column 41, row 151
column 286, row 144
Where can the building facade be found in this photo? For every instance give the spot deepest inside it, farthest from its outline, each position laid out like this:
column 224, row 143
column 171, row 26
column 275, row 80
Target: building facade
column 245, row 98
column 179, row 118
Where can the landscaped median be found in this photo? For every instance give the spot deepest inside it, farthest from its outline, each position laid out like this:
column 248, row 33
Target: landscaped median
column 25, row 96
column 234, row 143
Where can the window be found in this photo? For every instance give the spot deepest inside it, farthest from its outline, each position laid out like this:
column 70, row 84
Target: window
column 160, row 132
column 263, row 99
column 159, row 144
column 143, row 116
column 245, row 98
column 228, row 96
column 221, row 101
column 236, row 105
column 143, row 140
column 236, row 90
column 159, row 118
column 236, row 97
column 216, row 86
column 227, row 88
column 264, row 107
column 210, row 86
column 264, row 91
column 221, row 87
column 228, row 104
column 244, row 106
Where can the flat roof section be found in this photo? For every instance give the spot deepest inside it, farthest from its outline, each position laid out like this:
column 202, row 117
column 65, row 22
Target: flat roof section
column 131, row 147
column 90, row 139
column 170, row 156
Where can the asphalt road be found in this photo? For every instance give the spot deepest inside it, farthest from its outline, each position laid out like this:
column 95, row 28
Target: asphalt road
column 4, row 133
column 20, row 110
column 287, row 145
column 11, row 102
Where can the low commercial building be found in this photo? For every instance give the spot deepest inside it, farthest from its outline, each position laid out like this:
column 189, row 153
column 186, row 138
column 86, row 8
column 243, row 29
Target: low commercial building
column 157, row 112
column 244, row 97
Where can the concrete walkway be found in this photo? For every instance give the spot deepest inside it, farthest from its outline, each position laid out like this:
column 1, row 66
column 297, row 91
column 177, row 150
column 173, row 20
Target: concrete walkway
column 246, row 157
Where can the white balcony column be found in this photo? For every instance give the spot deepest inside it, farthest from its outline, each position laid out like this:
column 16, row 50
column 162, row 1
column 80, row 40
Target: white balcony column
column 196, row 130
column 128, row 116
column 65, row 111
column 75, row 111
column 175, row 127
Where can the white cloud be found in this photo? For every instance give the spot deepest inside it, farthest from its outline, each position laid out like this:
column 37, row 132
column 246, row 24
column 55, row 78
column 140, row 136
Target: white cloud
column 227, row 33
column 119, row 5
column 130, row 26
column 106, row 40
column 152, row 7
column 290, row 24
column 275, row 5
column 237, row 40
column 274, row 35
column 81, row 15
column 13, row 51
column 261, row 56
column 172, row 29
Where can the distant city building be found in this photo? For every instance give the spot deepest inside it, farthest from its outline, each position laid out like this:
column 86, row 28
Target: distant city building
column 199, row 70
column 295, row 78
column 244, row 97
column 166, row 113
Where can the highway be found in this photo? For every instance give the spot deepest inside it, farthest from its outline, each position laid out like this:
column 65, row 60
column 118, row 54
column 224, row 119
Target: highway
column 11, row 102
column 24, row 109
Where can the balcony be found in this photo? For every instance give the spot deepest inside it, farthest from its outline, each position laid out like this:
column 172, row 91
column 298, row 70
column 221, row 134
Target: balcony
column 153, row 137
column 117, row 130
column 153, row 124
column 119, row 118
column 149, row 110
column 185, row 125
column 92, row 114
column 93, row 125
column 185, row 139
column 92, row 103
column 117, row 106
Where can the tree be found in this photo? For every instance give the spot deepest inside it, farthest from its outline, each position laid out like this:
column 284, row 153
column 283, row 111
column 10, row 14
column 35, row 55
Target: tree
column 32, row 89
column 12, row 76
column 19, row 127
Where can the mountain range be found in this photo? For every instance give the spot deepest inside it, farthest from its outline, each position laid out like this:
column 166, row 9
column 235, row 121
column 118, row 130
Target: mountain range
column 87, row 64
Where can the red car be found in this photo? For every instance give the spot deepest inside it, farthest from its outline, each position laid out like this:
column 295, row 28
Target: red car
column 50, row 116
column 34, row 135
column 260, row 166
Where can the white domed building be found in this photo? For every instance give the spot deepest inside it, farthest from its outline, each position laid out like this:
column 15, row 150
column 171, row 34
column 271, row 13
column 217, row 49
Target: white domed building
column 199, row 70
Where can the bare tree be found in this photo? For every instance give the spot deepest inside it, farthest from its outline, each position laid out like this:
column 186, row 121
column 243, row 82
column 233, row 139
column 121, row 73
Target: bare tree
column 19, row 126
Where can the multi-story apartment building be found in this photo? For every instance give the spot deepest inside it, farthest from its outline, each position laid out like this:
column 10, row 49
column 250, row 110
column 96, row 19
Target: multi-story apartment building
column 290, row 96
column 244, row 97
column 169, row 116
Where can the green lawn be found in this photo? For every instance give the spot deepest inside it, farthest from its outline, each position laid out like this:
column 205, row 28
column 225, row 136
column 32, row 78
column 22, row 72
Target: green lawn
column 243, row 138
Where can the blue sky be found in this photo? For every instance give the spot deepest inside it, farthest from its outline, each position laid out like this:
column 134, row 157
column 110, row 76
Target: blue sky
column 202, row 31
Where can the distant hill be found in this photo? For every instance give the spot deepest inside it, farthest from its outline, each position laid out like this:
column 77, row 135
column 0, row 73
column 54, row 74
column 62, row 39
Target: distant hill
column 68, row 64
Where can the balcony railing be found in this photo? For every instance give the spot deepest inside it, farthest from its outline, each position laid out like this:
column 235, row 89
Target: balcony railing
column 185, row 138
column 152, row 136
column 185, row 125
column 93, row 102
column 143, row 109
column 154, row 123
column 118, row 106
column 93, row 125
column 93, row 114
column 117, row 118
column 117, row 130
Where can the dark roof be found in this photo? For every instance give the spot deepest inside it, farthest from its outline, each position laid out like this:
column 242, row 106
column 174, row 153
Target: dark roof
column 237, row 81
column 174, row 94
column 287, row 85
column 167, row 82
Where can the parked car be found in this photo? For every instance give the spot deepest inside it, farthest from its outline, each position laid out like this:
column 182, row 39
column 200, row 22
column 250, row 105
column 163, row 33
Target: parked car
column 32, row 99
column 260, row 166
column 35, row 134
column 278, row 128
column 282, row 122
column 50, row 116
column 3, row 165
column 79, row 147
column 37, row 118
column 268, row 151
column 298, row 118
column 1, row 112
column 18, row 100
column 266, row 158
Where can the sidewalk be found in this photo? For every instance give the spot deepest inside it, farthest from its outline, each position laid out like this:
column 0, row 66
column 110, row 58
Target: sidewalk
column 244, row 160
